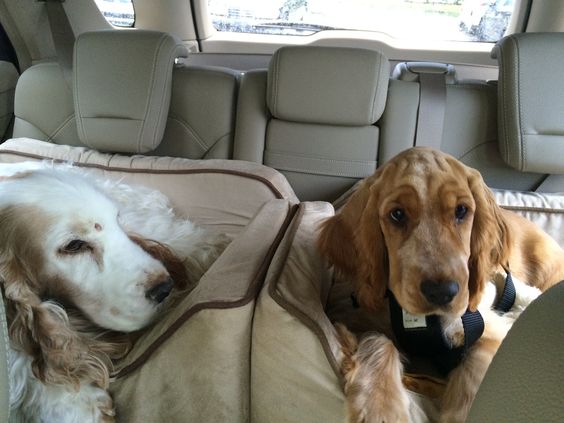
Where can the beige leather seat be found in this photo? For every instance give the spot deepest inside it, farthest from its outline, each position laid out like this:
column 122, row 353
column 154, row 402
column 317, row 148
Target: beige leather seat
column 199, row 123
column 313, row 116
column 531, row 127
column 468, row 115
column 524, row 381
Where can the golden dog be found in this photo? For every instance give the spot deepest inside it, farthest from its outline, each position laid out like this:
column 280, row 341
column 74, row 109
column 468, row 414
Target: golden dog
column 427, row 228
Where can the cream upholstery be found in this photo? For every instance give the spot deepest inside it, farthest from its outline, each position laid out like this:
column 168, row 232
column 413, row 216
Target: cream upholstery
column 313, row 115
column 122, row 86
column 292, row 376
column 201, row 118
column 43, row 107
column 524, row 381
column 545, row 209
column 469, row 131
column 531, row 126
column 224, row 194
column 199, row 122
column 199, row 352
column 8, row 78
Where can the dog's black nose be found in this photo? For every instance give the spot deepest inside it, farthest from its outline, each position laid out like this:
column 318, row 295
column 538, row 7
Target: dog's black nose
column 159, row 292
column 439, row 293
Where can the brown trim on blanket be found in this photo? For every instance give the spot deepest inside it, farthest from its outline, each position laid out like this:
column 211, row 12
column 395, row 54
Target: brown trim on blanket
column 533, row 209
column 265, row 181
column 296, row 312
column 252, row 292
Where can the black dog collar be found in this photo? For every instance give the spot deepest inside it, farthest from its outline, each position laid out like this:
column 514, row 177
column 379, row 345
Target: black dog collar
column 423, row 335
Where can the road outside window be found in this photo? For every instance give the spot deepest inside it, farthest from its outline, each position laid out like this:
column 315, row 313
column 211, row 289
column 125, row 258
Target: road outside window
column 452, row 20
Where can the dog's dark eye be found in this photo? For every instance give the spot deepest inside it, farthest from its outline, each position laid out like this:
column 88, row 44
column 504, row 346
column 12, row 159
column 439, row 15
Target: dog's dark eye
column 75, row 246
column 460, row 212
column 398, row 216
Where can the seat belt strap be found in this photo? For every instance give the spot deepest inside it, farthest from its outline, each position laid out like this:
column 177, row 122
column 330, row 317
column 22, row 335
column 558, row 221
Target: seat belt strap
column 431, row 115
column 552, row 183
column 63, row 36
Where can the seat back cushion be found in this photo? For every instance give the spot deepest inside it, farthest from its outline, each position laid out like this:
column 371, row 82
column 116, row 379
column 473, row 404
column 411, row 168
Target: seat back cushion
column 530, row 102
column 469, row 129
column 526, row 372
column 201, row 119
column 122, row 87
column 315, row 120
column 44, row 107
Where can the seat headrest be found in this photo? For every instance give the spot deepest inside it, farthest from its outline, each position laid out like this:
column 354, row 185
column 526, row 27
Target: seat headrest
column 531, row 104
column 122, row 88
column 328, row 85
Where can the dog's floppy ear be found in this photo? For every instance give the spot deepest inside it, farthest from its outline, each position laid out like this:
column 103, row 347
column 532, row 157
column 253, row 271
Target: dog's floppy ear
column 174, row 266
column 353, row 243
column 42, row 329
column 489, row 240
column 60, row 355
column 373, row 271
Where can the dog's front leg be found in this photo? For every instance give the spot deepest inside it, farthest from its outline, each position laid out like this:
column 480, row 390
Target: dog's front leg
column 465, row 379
column 373, row 386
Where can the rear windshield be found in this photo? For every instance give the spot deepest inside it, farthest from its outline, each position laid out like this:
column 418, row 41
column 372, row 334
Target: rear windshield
column 451, row 20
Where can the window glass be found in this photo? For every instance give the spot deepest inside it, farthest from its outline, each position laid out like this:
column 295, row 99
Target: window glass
column 117, row 12
column 453, row 20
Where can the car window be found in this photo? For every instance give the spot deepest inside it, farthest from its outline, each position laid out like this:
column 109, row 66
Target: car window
column 117, row 12
column 7, row 52
column 451, row 20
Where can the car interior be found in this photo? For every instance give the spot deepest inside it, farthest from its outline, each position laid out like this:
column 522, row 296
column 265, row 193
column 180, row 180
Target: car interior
column 261, row 136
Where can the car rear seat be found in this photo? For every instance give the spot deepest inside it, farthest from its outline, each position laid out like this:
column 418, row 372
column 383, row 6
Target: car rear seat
column 531, row 105
column 470, row 123
column 313, row 117
column 202, row 108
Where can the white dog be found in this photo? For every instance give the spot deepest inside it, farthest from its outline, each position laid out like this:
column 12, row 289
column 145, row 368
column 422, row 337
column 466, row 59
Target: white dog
column 81, row 257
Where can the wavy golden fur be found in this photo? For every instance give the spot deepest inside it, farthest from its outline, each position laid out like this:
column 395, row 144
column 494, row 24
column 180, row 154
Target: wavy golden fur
column 425, row 216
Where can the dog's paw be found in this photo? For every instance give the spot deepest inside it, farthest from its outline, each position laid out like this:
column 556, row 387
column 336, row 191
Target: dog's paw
column 373, row 385
column 105, row 406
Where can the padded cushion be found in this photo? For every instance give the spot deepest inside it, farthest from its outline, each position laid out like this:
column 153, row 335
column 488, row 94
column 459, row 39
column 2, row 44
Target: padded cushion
column 546, row 210
column 239, row 188
column 524, row 381
column 193, row 365
column 531, row 104
column 201, row 118
column 295, row 349
column 44, row 107
column 327, row 85
column 122, row 88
